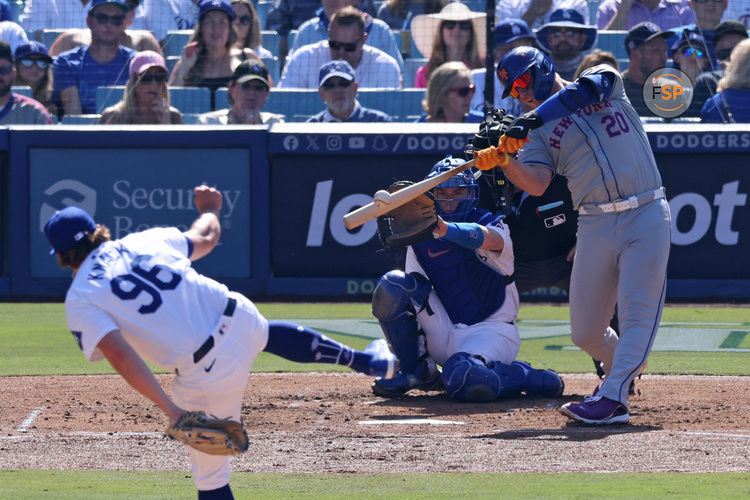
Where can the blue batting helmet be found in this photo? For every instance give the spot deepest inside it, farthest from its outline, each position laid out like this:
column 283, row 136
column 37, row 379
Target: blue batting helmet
column 463, row 180
column 520, row 60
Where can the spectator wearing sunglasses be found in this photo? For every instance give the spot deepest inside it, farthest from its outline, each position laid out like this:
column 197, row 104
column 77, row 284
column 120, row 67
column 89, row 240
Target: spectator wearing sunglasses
column 338, row 90
column 398, row 14
column 78, row 72
column 727, row 35
column 535, row 11
column 566, row 38
column 690, row 54
column 646, row 45
column 146, row 98
column 379, row 35
column 346, row 41
column 732, row 103
column 34, row 69
column 449, row 95
column 17, row 109
column 625, row 14
column 138, row 40
column 454, row 34
column 247, row 26
column 209, row 59
column 509, row 34
column 248, row 93
column 12, row 33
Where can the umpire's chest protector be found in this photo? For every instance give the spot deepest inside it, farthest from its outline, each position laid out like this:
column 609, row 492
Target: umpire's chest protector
column 469, row 290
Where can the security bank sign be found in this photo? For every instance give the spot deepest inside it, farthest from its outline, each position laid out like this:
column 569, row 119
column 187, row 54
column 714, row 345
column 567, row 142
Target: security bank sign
column 131, row 190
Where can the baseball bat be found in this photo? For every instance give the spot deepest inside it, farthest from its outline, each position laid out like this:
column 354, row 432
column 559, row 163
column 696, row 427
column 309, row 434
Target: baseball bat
column 383, row 201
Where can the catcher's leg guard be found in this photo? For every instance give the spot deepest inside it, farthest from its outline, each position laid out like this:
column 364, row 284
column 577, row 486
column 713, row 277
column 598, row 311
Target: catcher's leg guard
column 467, row 378
column 393, row 303
column 545, row 383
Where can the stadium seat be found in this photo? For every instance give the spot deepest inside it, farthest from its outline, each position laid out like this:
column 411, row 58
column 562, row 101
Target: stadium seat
column 400, row 104
column 263, row 7
column 80, row 119
column 613, row 41
column 22, row 90
column 410, row 70
column 50, row 35
column 175, row 41
column 296, row 104
column 274, row 70
column 624, row 63
column 222, row 95
column 290, row 38
column 399, row 41
column 108, row 95
column 172, row 62
column 476, row 5
column 270, row 40
column 190, row 99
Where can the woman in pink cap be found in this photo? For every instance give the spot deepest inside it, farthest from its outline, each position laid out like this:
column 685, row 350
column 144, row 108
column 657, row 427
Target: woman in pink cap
column 146, row 99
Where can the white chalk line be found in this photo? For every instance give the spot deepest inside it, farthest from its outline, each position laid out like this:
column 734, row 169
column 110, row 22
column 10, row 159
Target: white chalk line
column 24, row 427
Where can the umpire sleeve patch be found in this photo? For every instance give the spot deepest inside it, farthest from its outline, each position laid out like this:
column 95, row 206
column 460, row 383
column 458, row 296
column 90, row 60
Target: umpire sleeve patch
column 555, row 220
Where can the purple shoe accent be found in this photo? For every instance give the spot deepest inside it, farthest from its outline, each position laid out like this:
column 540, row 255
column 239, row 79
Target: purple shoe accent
column 597, row 410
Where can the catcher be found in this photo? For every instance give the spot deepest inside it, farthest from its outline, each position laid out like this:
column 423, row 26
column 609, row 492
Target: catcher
column 139, row 298
column 455, row 304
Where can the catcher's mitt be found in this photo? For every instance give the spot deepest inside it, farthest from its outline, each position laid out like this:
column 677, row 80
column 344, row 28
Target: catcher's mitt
column 410, row 223
column 210, row 435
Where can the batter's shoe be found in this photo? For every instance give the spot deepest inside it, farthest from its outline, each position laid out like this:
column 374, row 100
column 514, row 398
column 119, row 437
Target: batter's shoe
column 430, row 379
column 597, row 410
column 383, row 363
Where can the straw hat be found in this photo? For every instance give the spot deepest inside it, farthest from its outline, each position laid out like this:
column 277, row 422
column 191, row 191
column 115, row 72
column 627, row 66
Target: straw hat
column 424, row 27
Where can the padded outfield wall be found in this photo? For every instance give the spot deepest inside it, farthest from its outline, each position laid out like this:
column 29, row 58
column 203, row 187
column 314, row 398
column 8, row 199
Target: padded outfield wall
column 287, row 188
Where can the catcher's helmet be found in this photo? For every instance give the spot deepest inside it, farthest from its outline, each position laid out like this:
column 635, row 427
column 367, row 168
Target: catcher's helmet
column 464, row 179
column 522, row 59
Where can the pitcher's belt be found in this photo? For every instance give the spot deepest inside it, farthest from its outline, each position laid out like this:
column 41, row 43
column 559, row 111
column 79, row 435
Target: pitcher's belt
column 624, row 204
column 209, row 343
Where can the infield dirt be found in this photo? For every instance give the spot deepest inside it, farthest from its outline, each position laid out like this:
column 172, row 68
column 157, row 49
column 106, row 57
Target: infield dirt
column 331, row 422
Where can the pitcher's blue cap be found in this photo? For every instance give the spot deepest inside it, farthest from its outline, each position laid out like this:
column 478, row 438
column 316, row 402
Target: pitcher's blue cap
column 67, row 227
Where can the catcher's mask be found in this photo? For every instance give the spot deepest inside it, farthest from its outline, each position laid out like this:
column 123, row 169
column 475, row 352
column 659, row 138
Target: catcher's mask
column 463, row 180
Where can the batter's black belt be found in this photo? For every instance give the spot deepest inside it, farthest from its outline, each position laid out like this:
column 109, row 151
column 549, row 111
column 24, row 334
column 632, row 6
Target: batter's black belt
column 209, row 343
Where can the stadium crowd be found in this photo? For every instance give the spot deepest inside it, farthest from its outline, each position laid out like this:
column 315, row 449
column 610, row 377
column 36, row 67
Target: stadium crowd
column 77, row 61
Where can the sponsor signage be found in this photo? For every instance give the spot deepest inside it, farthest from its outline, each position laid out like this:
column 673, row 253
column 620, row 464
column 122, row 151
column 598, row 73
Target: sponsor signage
column 133, row 189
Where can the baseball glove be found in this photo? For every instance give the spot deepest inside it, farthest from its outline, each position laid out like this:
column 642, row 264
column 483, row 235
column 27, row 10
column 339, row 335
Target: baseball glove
column 410, row 223
column 209, row 435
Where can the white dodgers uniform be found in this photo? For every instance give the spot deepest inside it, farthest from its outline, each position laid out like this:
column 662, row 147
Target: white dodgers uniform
column 475, row 310
column 623, row 229
column 173, row 317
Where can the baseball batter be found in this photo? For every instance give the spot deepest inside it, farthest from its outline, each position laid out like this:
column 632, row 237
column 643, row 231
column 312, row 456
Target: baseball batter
column 138, row 298
column 456, row 304
column 588, row 132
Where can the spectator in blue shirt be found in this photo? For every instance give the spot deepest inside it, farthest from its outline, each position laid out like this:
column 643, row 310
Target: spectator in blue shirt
column 78, row 72
column 732, row 103
column 449, row 94
column 379, row 35
column 338, row 90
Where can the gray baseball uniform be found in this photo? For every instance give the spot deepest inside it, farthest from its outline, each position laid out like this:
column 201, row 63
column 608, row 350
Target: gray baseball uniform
column 623, row 229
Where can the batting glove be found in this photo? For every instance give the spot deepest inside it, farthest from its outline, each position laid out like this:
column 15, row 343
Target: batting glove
column 487, row 159
column 520, row 127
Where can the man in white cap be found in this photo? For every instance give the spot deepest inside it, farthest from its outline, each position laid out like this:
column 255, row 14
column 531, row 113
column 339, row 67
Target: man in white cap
column 565, row 38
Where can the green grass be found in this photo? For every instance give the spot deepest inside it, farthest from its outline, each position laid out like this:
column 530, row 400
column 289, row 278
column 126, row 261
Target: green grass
column 31, row 484
column 36, row 341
